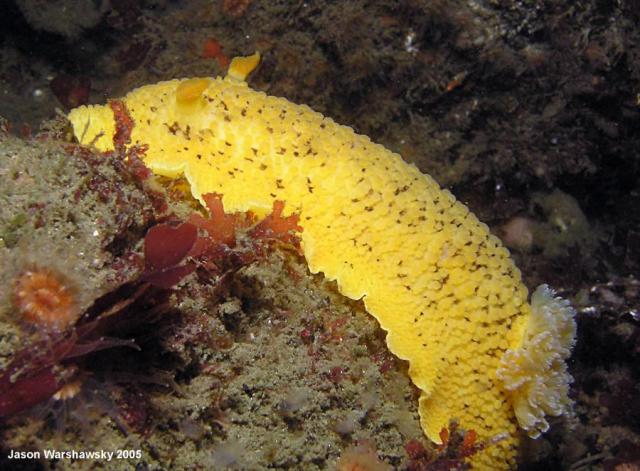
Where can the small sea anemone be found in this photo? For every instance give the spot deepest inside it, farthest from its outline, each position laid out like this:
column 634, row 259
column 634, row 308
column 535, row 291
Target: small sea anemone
column 45, row 299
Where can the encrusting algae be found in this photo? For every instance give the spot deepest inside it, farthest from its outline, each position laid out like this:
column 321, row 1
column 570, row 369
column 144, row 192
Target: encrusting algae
column 445, row 289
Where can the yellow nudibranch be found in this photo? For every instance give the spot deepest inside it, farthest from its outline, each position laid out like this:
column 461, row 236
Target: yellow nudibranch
column 443, row 288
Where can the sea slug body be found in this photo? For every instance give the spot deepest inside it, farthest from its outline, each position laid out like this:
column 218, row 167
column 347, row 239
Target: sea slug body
column 445, row 289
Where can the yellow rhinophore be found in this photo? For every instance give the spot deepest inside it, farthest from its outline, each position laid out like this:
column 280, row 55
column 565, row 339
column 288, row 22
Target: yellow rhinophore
column 445, row 289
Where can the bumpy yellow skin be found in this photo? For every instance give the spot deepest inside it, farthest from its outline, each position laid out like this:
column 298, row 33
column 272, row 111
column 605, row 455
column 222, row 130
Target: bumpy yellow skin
column 444, row 288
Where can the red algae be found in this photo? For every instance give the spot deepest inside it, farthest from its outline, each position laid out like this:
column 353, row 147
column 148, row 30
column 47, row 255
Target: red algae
column 274, row 226
column 220, row 226
column 164, row 248
column 26, row 393
column 124, row 124
column 43, row 367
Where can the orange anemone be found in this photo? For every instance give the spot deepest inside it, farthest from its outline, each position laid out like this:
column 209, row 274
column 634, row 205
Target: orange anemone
column 43, row 298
